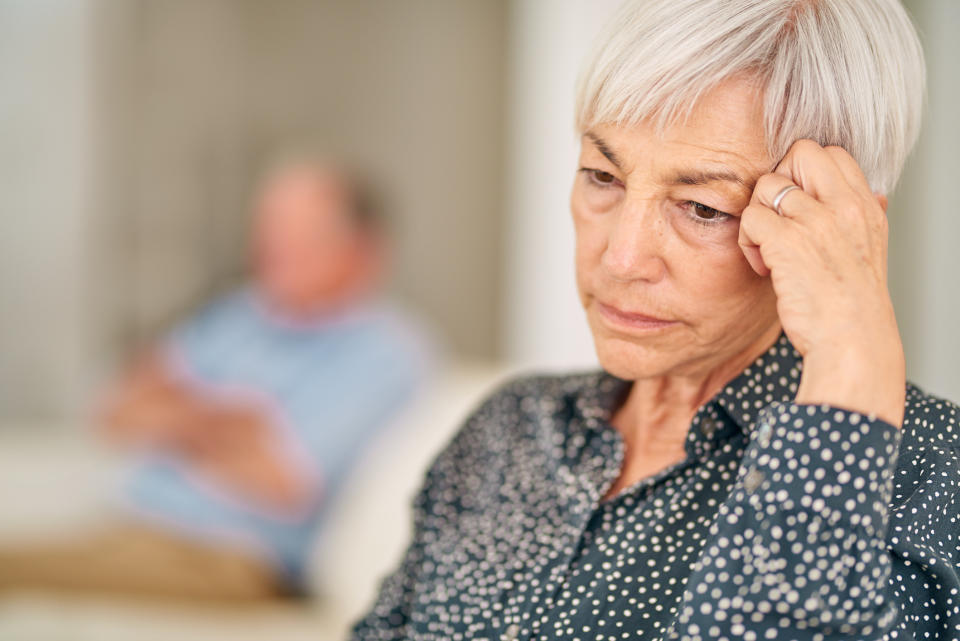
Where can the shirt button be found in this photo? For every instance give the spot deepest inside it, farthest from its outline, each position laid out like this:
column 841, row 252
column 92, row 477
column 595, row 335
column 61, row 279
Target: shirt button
column 763, row 434
column 708, row 426
column 753, row 479
column 511, row 633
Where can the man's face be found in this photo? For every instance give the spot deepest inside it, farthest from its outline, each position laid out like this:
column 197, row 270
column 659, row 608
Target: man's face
column 306, row 248
column 651, row 238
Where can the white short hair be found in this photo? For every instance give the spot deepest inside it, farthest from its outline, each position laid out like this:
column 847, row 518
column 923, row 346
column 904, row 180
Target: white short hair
column 841, row 72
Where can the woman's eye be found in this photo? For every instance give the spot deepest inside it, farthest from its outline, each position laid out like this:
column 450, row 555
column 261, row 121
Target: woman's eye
column 600, row 178
column 705, row 215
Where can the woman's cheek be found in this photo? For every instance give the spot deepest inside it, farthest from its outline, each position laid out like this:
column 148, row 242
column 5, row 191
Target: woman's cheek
column 594, row 200
column 720, row 237
column 591, row 220
column 604, row 200
column 591, row 234
column 591, row 240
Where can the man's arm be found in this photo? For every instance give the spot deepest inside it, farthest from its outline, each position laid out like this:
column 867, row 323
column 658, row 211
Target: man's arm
column 147, row 408
column 232, row 443
column 243, row 451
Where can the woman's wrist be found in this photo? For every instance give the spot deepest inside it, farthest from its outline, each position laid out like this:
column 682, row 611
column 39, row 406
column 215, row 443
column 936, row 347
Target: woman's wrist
column 864, row 376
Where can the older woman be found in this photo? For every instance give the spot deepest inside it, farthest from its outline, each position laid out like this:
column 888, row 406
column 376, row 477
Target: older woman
column 750, row 462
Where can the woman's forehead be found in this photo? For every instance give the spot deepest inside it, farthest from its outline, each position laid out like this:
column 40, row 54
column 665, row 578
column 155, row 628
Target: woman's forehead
column 724, row 127
column 679, row 159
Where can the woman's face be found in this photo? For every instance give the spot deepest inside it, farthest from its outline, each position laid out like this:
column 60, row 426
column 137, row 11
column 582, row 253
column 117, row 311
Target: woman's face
column 656, row 223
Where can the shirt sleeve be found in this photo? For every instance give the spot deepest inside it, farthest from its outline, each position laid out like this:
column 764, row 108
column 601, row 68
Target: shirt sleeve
column 798, row 550
column 196, row 347
column 330, row 416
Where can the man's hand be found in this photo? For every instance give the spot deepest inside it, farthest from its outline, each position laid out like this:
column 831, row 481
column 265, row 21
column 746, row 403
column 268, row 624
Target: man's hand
column 827, row 257
column 147, row 407
column 242, row 451
column 230, row 442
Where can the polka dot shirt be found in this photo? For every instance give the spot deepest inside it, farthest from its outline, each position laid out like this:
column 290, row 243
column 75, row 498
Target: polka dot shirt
column 784, row 521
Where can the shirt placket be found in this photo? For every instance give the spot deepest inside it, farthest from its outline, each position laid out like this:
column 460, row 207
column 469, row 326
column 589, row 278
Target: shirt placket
column 707, row 425
column 589, row 483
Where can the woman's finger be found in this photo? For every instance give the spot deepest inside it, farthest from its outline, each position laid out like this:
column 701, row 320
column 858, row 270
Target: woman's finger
column 850, row 169
column 760, row 229
column 796, row 203
column 816, row 172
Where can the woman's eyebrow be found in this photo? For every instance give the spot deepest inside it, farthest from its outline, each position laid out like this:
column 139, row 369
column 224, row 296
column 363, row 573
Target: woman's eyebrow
column 703, row 177
column 604, row 149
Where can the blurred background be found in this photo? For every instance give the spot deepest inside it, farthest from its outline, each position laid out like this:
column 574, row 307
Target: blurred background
column 131, row 136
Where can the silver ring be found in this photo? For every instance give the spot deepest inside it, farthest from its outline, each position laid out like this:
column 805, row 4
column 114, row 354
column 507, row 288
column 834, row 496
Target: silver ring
column 779, row 197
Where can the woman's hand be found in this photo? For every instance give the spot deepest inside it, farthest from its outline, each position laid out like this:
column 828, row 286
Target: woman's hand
column 827, row 258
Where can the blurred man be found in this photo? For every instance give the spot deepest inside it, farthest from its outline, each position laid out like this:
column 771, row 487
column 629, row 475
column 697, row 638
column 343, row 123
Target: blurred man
column 246, row 418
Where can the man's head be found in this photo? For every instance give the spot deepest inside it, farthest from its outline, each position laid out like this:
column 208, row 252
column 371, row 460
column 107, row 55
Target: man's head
column 316, row 238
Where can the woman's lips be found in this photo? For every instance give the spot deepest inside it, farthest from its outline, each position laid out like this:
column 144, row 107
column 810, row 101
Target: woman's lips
column 631, row 319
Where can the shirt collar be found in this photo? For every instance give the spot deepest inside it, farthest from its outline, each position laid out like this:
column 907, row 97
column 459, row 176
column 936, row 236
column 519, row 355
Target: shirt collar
column 772, row 376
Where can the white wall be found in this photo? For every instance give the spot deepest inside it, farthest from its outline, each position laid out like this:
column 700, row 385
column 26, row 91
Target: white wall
column 544, row 323
column 925, row 215
column 46, row 212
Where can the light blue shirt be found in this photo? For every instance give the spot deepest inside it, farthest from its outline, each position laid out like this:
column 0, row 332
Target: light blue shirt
column 327, row 385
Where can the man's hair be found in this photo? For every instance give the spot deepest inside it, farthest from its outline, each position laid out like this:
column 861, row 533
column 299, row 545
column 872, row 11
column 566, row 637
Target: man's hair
column 841, row 72
column 363, row 198
column 364, row 205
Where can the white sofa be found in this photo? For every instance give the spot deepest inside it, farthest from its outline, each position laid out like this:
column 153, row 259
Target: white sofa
column 56, row 480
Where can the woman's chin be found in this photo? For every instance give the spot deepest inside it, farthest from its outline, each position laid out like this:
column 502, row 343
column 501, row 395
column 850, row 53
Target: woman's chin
column 630, row 361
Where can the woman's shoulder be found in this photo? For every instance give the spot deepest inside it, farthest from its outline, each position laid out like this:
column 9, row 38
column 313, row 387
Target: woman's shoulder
column 533, row 394
column 523, row 403
column 520, row 392
column 543, row 385
column 930, row 420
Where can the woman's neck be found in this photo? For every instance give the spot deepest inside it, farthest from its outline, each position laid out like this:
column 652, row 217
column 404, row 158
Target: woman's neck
column 655, row 417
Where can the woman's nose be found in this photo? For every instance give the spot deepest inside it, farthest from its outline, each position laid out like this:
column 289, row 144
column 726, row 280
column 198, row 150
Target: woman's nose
column 634, row 246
